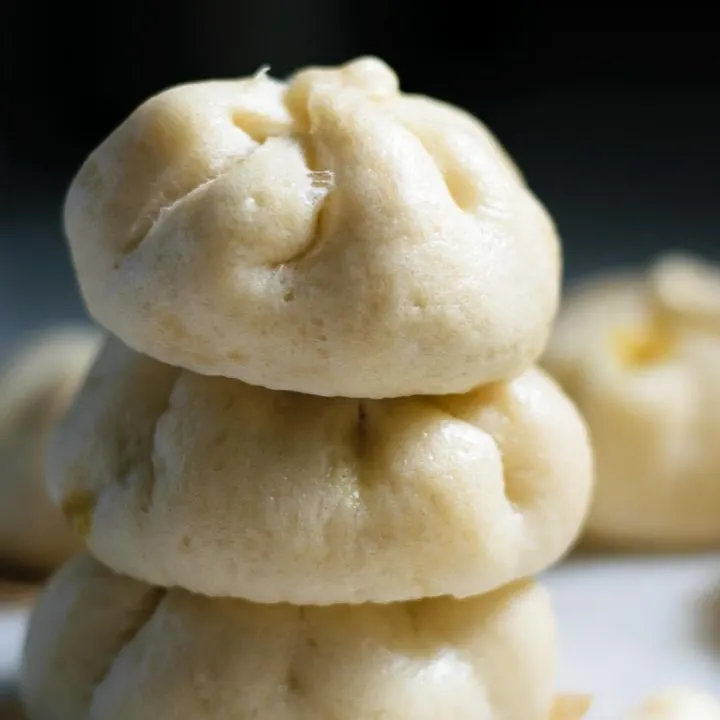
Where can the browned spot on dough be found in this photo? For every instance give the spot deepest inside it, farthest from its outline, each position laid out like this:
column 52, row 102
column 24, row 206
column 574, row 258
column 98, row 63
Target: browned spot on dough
column 78, row 508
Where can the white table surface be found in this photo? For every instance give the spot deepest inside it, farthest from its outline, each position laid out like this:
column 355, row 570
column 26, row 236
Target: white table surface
column 628, row 627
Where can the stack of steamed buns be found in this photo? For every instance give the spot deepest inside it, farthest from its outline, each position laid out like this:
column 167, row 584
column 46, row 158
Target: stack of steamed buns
column 314, row 466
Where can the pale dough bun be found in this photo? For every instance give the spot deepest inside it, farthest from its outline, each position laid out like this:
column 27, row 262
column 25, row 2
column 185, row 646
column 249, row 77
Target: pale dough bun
column 37, row 384
column 104, row 647
column 328, row 235
column 234, row 490
column 678, row 704
column 640, row 355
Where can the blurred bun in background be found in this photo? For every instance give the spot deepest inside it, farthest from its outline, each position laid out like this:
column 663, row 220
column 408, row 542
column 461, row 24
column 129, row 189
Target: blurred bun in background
column 37, row 385
column 640, row 355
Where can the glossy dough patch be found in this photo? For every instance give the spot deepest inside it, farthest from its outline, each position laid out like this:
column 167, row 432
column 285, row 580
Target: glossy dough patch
column 228, row 489
column 328, row 235
column 640, row 354
column 104, row 647
column 37, row 385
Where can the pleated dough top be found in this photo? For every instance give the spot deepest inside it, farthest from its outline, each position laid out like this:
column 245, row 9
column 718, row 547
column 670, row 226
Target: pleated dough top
column 327, row 235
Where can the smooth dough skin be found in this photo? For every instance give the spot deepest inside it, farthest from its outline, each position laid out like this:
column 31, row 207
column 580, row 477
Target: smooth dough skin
column 36, row 387
column 678, row 704
column 640, row 355
column 328, row 235
column 233, row 490
column 104, row 647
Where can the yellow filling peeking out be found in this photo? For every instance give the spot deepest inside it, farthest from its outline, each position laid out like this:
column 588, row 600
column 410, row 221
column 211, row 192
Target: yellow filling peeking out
column 641, row 346
column 570, row 707
column 78, row 509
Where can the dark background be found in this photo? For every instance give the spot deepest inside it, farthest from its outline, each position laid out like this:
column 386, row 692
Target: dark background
column 617, row 131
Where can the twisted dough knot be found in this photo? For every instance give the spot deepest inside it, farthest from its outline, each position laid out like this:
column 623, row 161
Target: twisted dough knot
column 328, row 235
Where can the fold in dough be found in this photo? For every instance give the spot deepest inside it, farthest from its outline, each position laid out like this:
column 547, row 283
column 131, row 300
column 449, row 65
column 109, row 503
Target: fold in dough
column 37, row 384
column 640, row 355
column 105, row 647
column 329, row 235
column 233, row 490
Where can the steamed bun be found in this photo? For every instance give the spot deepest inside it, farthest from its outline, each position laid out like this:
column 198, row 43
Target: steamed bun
column 105, row 647
column 678, row 704
column 640, row 355
column 329, row 235
column 234, row 490
column 36, row 386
